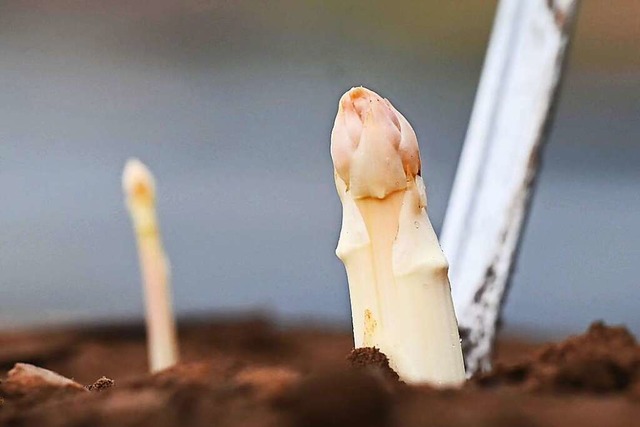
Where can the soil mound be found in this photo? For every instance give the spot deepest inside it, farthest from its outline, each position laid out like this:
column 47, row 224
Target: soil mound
column 604, row 359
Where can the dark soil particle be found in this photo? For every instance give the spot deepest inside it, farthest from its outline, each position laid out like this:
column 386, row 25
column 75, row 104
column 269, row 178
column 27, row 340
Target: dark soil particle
column 248, row 373
column 101, row 384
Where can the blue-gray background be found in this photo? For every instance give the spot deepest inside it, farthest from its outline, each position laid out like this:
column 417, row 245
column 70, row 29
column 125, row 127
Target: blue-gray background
column 231, row 103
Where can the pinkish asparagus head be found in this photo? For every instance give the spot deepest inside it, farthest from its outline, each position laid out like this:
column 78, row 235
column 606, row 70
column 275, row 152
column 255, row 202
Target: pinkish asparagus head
column 373, row 147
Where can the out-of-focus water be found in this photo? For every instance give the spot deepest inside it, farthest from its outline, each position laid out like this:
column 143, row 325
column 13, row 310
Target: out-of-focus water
column 233, row 115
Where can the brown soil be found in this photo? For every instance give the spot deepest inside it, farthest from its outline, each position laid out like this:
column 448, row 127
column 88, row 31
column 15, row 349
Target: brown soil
column 248, row 373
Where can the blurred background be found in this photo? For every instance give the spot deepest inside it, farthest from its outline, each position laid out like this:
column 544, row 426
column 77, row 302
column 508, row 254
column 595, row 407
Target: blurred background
column 231, row 104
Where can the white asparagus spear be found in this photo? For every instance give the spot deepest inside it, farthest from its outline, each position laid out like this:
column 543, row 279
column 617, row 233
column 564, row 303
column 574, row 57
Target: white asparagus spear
column 400, row 294
column 139, row 188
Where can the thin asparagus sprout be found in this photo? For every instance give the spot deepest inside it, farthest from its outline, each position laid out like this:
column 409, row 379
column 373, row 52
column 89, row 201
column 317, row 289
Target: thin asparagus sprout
column 139, row 189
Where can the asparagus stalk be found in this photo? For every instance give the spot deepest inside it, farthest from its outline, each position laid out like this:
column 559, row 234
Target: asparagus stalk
column 398, row 283
column 139, row 188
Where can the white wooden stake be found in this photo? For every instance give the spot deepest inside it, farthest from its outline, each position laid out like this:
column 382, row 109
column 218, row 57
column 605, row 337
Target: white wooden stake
column 497, row 169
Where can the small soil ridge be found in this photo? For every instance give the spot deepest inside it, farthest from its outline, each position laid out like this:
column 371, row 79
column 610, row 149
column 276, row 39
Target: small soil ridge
column 230, row 377
column 605, row 359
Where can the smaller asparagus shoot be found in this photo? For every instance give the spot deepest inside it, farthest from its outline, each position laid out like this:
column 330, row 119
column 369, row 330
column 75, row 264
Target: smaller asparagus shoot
column 140, row 193
column 400, row 294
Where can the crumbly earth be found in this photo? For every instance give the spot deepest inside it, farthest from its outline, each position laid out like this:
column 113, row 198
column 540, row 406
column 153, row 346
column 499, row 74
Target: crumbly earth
column 248, row 373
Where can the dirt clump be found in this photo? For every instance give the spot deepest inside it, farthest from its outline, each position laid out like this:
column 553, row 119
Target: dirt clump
column 101, row 384
column 371, row 358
